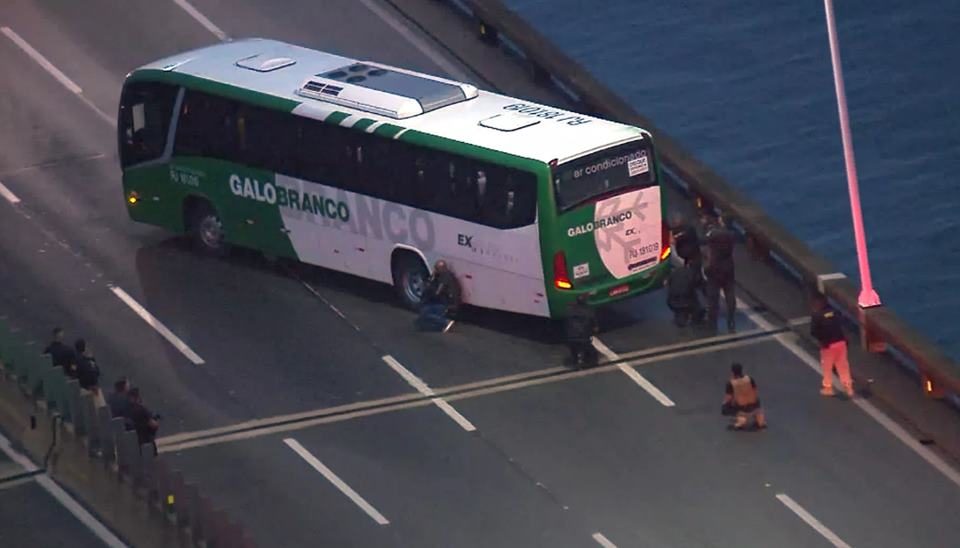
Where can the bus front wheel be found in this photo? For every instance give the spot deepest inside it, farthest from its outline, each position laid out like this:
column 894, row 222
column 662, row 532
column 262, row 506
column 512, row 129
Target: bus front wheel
column 410, row 278
column 206, row 230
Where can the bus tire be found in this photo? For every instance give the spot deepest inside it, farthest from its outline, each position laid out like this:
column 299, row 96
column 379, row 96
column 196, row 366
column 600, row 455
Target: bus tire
column 410, row 278
column 206, row 229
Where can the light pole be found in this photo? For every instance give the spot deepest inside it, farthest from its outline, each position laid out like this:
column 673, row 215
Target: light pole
column 868, row 297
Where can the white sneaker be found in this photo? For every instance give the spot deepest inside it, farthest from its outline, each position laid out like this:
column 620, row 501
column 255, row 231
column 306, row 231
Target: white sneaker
column 448, row 326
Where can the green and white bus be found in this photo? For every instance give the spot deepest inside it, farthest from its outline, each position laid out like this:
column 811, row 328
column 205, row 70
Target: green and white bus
column 379, row 171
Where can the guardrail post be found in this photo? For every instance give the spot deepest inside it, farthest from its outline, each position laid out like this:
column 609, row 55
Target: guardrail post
column 870, row 340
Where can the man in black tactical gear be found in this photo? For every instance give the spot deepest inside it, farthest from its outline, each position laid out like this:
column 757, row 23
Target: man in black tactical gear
column 580, row 325
column 682, row 296
column 719, row 269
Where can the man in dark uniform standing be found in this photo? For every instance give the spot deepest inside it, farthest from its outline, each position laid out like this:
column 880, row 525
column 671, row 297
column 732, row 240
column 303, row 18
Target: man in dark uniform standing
column 686, row 242
column 719, row 270
column 682, row 297
column 580, row 325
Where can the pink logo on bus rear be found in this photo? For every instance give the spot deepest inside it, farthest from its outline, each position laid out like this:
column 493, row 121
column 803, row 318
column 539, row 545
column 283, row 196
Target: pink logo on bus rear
column 627, row 231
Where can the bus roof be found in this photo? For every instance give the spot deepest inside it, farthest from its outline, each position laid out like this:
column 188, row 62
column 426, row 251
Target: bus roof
column 308, row 82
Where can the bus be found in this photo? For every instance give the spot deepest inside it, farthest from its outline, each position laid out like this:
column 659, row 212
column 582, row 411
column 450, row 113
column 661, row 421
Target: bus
column 379, row 172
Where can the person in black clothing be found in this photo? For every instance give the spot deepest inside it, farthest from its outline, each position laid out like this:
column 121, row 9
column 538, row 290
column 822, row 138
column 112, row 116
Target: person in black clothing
column 682, row 296
column 719, row 270
column 144, row 422
column 119, row 400
column 580, row 325
column 827, row 328
column 441, row 300
column 61, row 354
column 87, row 371
column 686, row 242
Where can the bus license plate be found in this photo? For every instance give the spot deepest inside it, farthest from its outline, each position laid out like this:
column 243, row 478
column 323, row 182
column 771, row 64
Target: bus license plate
column 619, row 290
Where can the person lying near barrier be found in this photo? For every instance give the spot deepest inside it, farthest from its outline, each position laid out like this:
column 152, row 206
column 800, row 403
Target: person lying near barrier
column 441, row 300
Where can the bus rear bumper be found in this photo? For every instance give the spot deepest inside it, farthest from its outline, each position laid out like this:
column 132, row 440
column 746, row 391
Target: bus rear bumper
column 616, row 290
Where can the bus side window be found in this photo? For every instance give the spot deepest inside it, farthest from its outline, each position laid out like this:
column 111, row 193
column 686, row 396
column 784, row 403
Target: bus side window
column 510, row 199
column 146, row 109
column 208, row 126
column 266, row 139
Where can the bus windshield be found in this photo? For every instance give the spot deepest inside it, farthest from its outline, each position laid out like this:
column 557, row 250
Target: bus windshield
column 604, row 173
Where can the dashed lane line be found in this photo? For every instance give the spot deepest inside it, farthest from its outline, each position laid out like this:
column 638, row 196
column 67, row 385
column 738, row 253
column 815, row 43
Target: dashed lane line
column 415, row 40
column 422, row 387
column 633, row 374
column 64, row 498
column 336, row 481
column 813, row 522
column 8, row 195
column 64, row 80
column 788, row 341
column 202, row 19
column 42, row 61
column 603, row 541
column 300, row 421
column 153, row 322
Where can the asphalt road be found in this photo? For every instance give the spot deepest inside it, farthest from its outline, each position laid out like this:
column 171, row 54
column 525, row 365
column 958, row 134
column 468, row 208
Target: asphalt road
column 519, row 450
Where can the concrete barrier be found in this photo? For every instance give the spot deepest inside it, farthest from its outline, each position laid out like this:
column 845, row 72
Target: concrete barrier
column 880, row 327
column 106, row 457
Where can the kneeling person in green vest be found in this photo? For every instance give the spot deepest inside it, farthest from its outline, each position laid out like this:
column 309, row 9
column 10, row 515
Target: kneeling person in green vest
column 741, row 397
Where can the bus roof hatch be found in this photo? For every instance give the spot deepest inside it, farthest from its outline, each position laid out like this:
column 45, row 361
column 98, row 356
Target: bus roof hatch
column 387, row 91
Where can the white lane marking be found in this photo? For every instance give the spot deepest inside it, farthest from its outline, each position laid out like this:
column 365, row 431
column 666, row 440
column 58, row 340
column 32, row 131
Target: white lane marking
column 422, row 387
column 416, row 41
column 336, row 481
column 603, row 541
column 10, row 196
column 454, row 414
column 201, row 18
column 302, row 421
column 157, row 325
column 62, row 497
column 886, row 422
column 813, row 522
column 633, row 374
column 56, row 73
column 41, row 60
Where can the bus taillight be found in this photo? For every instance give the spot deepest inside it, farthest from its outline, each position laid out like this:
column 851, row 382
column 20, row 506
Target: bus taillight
column 560, row 277
column 664, row 242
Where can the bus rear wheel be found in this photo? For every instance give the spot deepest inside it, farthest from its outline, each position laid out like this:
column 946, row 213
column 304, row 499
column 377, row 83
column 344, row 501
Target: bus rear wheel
column 206, row 230
column 410, row 278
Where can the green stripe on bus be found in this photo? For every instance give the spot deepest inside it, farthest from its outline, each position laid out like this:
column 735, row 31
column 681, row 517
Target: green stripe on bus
column 336, row 117
column 388, row 130
column 363, row 124
column 216, row 88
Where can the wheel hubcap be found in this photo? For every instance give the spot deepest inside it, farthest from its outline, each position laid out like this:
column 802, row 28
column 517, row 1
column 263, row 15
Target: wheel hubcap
column 211, row 231
column 416, row 282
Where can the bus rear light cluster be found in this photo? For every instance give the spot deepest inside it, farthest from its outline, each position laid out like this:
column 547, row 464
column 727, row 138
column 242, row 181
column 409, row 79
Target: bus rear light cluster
column 664, row 242
column 561, row 279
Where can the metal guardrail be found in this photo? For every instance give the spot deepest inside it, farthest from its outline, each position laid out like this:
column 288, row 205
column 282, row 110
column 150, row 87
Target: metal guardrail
column 162, row 489
column 879, row 326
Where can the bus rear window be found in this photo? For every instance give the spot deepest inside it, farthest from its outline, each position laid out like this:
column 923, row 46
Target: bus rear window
column 604, row 173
